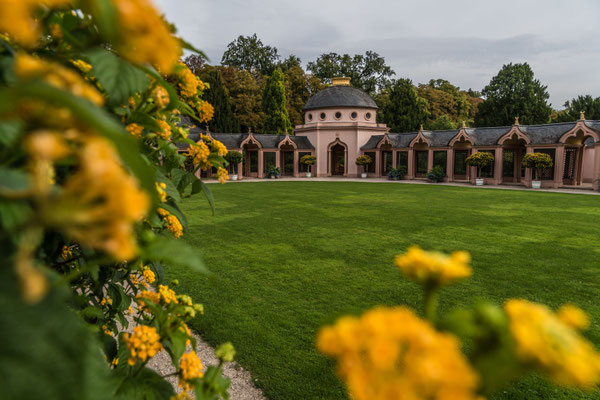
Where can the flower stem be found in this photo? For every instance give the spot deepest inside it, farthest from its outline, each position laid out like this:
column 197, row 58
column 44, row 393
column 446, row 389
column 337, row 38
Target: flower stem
column 430, row 303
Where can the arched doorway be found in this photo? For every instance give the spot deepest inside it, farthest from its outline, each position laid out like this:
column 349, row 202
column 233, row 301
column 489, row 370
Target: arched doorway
column 575, row 158
column 250, row 166
column 386, row 159
column 513, row 150
column 462, row 150
column 337, row 160
column 286, row 159
column 421, row 160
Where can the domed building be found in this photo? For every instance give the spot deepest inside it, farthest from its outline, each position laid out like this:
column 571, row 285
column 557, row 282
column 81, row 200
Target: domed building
column 340, row 124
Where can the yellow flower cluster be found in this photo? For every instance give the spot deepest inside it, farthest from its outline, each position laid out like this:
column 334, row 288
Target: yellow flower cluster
column 148, row 295
column 173, row 224
column 219, row 148
column 165, row 129
column 143, row 344
column 105, row 301
column 550, row 342
column 188, row 82
column 167, row 295
column 205, row 111
column 433, row 267
column 27, row 67
column 199, row 152
column 82, row 65
column 17, row 18
column 390, row 353
column 149, row 275
column 66, row 253
column 135, row 130
column 160, row 189
column 101, row 202
column 144, row 36
column 190, row 367
column 160, row 96
column 222, row 175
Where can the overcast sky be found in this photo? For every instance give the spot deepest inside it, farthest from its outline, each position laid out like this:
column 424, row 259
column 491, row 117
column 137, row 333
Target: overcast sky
column 463, row 41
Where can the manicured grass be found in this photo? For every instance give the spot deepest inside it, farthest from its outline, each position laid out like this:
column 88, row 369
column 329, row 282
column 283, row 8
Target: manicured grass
column 288, row 257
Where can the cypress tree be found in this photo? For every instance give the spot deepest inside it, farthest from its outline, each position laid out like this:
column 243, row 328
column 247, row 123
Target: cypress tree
column 404, row 110
column 277, row 120
column 223, row 121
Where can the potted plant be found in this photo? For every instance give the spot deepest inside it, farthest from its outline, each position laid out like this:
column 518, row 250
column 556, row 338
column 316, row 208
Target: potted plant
column 537, row 161
column 436, row 174
column 364, row 160
column 396, row 174
column 481, row 159
column 234, row 158
column 309, row 161
column 273, row 171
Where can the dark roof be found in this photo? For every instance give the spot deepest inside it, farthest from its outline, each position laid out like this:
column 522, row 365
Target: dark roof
column 487, row 136
column 440, row 138
column 340, row 96
column 398, row 140
column 234, row 140
column 546, row 133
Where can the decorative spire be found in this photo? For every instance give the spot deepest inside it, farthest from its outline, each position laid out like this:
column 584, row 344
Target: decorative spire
column 387, row 130
column 286, row 132
column 464, row 125
column 206, row 128
column 249, row 129
column 421, row 127
column 581, row 115
column 516, row 120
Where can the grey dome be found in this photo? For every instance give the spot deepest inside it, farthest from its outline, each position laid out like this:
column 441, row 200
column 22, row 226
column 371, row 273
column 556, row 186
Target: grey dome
column 340, row 96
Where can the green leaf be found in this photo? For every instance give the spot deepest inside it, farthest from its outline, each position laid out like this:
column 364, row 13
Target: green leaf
column 119, row 78
column 13, row 180
column 14, row 214
column 170, row 189
column 175, row 252
column 178, row 338
column 173, row 97
column 186, row 180
column 144, row 120
column 209, row 196
column 146, row 385
column 176, row 176
column 105, row 17
column 174, row 209
column 91, row 314
column 10, row 131
column 188, row 46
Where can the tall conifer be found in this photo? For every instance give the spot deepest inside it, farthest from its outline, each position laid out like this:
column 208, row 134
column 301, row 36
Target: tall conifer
column 277, row 120
column 223, row 121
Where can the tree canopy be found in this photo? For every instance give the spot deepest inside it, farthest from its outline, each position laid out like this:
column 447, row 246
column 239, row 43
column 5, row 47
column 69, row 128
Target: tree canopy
column 401, row 108
column 250, row 54
column 277, row 120
column 445, row 99
column 245, row 94
column 588, row 104
column 299, row 87
column 514, row 92
column 224, row 120
column 368, row 72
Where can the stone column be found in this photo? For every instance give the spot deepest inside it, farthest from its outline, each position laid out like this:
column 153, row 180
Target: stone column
column 378, row 158
column 596, row 174
column 240, row 172
column 411, row 164
column 328, row 165
column 296, row 163
column 498, row 154
column 260, row 163
column 472, row 170
column 278, row 162
column 429, row 159
column 559, row 166
column 450, row 164
column 528, row 174
column 394, row 158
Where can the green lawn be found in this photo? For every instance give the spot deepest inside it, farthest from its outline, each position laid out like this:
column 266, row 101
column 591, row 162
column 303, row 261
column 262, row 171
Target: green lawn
column 288, row 257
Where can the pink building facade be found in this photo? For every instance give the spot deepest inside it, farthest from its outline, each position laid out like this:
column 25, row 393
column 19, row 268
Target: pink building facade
column 340, row 124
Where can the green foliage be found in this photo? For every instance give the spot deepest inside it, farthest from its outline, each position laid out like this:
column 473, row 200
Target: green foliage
column 368, row 72
column 223, row 121
column 299, row 87
column 234, row 158
column 573, row 108
column 396, row 174
column 364, row 160
column 442, row 122
column 401, row 108
column 537, row 161
column 245, row 95
column 273, row 171
column 481, row 159
column 436, row 174
column 446, row 102
column 308, row 160
column 514, row 92
column 250, row 54
column 277, row 121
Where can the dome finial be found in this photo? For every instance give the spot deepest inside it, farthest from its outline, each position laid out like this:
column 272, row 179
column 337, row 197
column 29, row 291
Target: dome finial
column 581, row 115
column 517, row 120
column 464, row 125
column 421, row 128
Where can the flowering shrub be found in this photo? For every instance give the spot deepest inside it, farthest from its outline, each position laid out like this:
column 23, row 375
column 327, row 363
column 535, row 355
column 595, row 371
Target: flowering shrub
column 364, row 160
column 390, row 353
column 537, row 161
column 91, row 99
column 481, row 159
column 308, row 160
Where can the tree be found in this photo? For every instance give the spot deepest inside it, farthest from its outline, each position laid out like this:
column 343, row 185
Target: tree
column 290, row 62
column 589, row 105
column 299, row 87
column 443, row 98
column 441, row 123
column 403, row 110
column 195, row 63
column 250, row 54
column 368, row 72
column 223, row 120
column 245, row 95
column 277, row 120
column 514, row 92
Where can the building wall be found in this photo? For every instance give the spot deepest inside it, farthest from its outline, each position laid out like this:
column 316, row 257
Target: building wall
column 588, row 164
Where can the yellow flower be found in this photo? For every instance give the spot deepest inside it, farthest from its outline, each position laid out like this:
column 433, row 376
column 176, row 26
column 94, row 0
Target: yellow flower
column 190, row 367
column 188, row 82
column 573, row 316
column 160, row 97
column 173, row 224
column 105, row 301
column 29, row 67
column 135, row 130
column 115, row 361
column 143, row 344
column 149, row 276
column 200, row 152
column 17, row 18
column 144, row 36
column 390, row 353
column 66, row 253
column 205, row 111
column 219, row 148
column 222, row 175
column 167, row 295
column 148, row 295
column 434, row 267
column 165, row 129
column 82, row 65
column 100, row 202
column 160, row 189
column 543, row 340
